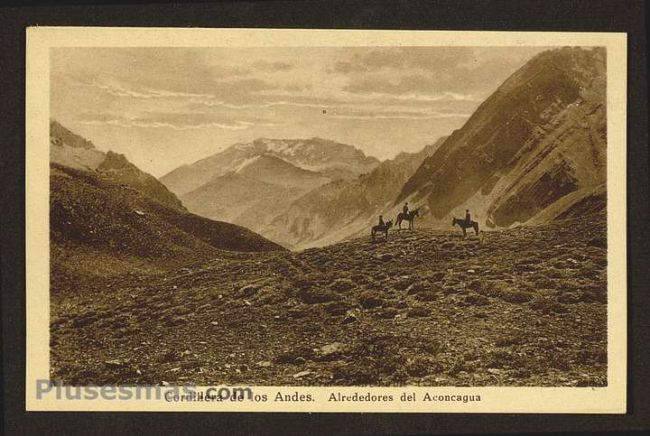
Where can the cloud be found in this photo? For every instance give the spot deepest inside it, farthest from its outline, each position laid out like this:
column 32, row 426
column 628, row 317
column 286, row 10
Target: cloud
column 182, row 121
column 261, row 105
column 398, row 115
column 413, row 87
column 142, row 93
column 425, row 70
column 249, row 85
column 403, row 58
column 413, row 84
column 235, row 89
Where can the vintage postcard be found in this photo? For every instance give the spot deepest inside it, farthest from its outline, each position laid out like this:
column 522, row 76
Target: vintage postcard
column 325, row 220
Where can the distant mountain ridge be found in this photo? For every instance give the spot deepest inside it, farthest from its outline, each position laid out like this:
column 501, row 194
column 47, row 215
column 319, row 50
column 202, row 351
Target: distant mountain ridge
column 328, row 158
column 331, row 159
column 344, row 208
column 250, row 184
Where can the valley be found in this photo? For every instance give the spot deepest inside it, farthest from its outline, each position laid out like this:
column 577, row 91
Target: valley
column 536, row 142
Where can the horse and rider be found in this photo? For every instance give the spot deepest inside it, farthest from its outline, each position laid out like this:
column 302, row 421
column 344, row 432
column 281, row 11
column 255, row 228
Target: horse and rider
column 409, row 215
column 466, row 223
column 381, row 227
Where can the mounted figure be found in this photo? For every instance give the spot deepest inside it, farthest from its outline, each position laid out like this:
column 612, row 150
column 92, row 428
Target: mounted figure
column 407, row 215
column 381, row 227
column 466, row 223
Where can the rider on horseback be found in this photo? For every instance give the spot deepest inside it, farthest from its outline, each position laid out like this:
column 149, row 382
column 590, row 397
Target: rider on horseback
column 381, row 221
column 405, row 209
column 468, row 218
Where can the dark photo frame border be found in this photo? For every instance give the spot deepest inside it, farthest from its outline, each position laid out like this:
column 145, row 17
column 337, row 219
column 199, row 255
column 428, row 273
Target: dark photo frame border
column 515, row 15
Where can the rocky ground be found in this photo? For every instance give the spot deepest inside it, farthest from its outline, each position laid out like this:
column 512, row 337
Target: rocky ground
column 519, row 307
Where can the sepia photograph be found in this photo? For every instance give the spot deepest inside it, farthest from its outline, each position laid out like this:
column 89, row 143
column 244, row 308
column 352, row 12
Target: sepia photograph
column 432, row 215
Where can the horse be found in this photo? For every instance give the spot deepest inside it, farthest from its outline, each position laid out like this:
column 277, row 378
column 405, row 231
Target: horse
column 380, row 228
column 463, row 225
column 408, row 216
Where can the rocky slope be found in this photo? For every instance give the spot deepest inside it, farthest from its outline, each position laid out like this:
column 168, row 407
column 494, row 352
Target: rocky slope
column 100, row 229
column 71, row 150
column 342, row 208
column 517, row 307
column 240, row 199
column 109, row 219
column 328, row 158
column 540, row 137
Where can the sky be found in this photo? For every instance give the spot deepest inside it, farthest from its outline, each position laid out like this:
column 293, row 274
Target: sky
column 164, row 107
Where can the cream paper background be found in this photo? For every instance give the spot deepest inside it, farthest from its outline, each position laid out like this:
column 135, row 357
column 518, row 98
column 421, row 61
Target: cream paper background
column 610, row 399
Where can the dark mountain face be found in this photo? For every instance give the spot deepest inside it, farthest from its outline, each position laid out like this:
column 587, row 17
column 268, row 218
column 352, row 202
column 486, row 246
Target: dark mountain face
column 71, row 150
column 108, row 218
column 539, row 137
column 328, row 158
column 117, row 167
column 102, row 228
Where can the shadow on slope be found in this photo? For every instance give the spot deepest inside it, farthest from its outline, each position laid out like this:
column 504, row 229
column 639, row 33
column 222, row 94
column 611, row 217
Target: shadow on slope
column 100, row 228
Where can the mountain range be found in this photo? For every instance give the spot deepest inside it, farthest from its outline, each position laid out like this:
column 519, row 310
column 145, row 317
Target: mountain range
column 252, row 184
column 109, row 218
column 533, row 149
column 343, row 208
column 328, row 158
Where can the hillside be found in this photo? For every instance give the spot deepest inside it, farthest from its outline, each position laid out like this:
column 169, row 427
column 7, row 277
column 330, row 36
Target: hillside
column 425, row 308
column 540, row 137
column 343, row 208
column 240, row 199
column 273, row 170
column 73, row 151
column 254, row 193
column 328, row 158
column 100, row 229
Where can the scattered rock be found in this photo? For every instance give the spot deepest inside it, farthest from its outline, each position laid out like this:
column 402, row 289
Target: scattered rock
column 249, row 290
column 419, row 311
column 350, row 316
column 370, row 299
column 330, row 349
